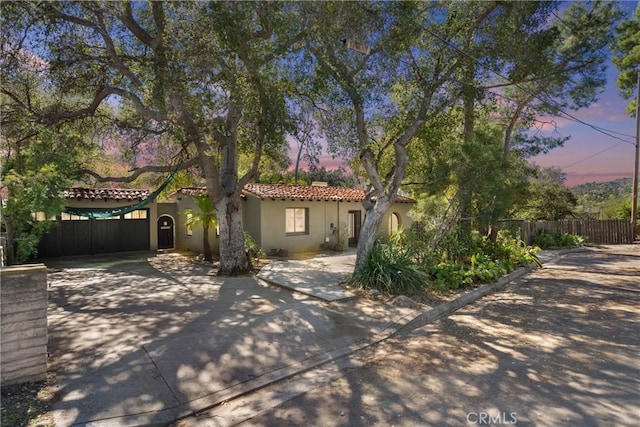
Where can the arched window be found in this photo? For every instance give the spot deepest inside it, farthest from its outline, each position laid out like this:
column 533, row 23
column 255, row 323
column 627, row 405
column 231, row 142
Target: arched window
column 394, row 223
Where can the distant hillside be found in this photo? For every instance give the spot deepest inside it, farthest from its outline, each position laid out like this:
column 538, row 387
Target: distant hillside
column 601, row 191
column 604, row 200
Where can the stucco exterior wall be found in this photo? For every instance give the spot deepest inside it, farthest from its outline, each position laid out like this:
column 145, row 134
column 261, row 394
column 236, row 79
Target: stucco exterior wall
column 326, row 221
column 252, row 218
column 321, row 215
column 405, row 220
column 193, row 242
column 265, row 220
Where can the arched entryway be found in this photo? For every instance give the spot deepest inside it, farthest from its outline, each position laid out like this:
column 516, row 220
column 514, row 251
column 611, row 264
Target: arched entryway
column 394, row 223
column 166, row 228
column 355, row 223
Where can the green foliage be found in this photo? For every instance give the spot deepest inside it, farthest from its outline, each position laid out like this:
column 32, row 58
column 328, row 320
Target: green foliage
column 627, row 57
column 547, row 198
column 547, row 239
column 38, row 168
column 604, row 200
column 489, row 260
column 205, row 216
column 449, row 275
column 334, row 178
column 405, row 264
column 253, row 249
column 391, row 268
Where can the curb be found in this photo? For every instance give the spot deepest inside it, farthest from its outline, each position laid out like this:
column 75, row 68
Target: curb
column 422, row 318
column 462, row 299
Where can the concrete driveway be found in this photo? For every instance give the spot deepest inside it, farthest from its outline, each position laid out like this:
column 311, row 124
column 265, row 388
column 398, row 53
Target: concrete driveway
column 558, row 347
column 144, row 340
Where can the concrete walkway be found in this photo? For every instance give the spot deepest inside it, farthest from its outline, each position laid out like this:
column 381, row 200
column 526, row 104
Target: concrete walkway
column 318, row 277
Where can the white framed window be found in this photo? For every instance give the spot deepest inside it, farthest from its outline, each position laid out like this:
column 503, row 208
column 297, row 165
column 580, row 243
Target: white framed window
column 297, row 221
column 188, row 223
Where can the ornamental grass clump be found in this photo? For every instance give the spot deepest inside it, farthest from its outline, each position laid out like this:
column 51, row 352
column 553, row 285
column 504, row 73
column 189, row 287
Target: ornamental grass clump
column 390, row 268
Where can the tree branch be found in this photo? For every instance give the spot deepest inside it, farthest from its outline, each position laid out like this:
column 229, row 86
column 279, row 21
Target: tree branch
column 138, row 104
column 116, row 59
column 100, row 96
column 129, row 21
column 139, row 171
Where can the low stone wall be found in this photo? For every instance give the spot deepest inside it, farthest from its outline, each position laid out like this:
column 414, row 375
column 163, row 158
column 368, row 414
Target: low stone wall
column 23, row 327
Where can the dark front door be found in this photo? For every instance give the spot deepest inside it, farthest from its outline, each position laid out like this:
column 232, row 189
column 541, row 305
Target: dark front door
column 165, row 232
column 355, row 222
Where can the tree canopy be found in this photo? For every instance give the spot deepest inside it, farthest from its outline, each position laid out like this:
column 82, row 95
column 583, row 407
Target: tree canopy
column 203, row 75
column 626, row 50
column 443, row 94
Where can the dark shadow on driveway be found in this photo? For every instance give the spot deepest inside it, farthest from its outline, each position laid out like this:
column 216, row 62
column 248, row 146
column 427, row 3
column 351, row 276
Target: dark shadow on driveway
column 142, row 342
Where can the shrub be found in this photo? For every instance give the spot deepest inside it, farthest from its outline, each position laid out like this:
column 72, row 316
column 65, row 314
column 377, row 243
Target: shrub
column 254, row 251
column 390, row 268
column 546, row 239
column 449, row 275
column 404, row 263
column 510, row 250
column 489, row 261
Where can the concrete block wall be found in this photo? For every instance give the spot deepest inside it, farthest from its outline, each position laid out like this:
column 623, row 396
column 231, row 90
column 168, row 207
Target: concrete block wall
column 23, row 328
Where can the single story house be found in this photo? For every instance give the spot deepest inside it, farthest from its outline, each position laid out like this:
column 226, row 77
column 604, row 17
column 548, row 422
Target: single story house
column 279, row 217
column 294, row 218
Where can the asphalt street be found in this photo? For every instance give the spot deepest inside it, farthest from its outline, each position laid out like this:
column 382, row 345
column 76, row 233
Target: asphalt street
column 558, row 347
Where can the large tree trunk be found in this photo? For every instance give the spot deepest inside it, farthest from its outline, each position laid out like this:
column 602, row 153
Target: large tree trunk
column 233, row 260
column 369, row 230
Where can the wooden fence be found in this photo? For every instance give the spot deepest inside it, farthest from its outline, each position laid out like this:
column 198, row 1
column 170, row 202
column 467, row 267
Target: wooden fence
column 606, row 231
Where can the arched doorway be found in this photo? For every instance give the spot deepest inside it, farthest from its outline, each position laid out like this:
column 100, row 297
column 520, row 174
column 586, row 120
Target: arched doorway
column 166, row 227
column 354, row 225
column 394, row 223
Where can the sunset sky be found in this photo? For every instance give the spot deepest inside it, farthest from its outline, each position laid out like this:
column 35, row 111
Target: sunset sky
column 591, row 156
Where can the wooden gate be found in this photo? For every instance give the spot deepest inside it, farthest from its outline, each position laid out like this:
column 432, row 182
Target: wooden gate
column 73, row 235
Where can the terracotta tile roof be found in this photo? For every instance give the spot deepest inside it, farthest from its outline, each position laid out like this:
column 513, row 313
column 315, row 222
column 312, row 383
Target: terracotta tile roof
column 297, row 192
column 104, row 194
column 310, row 192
